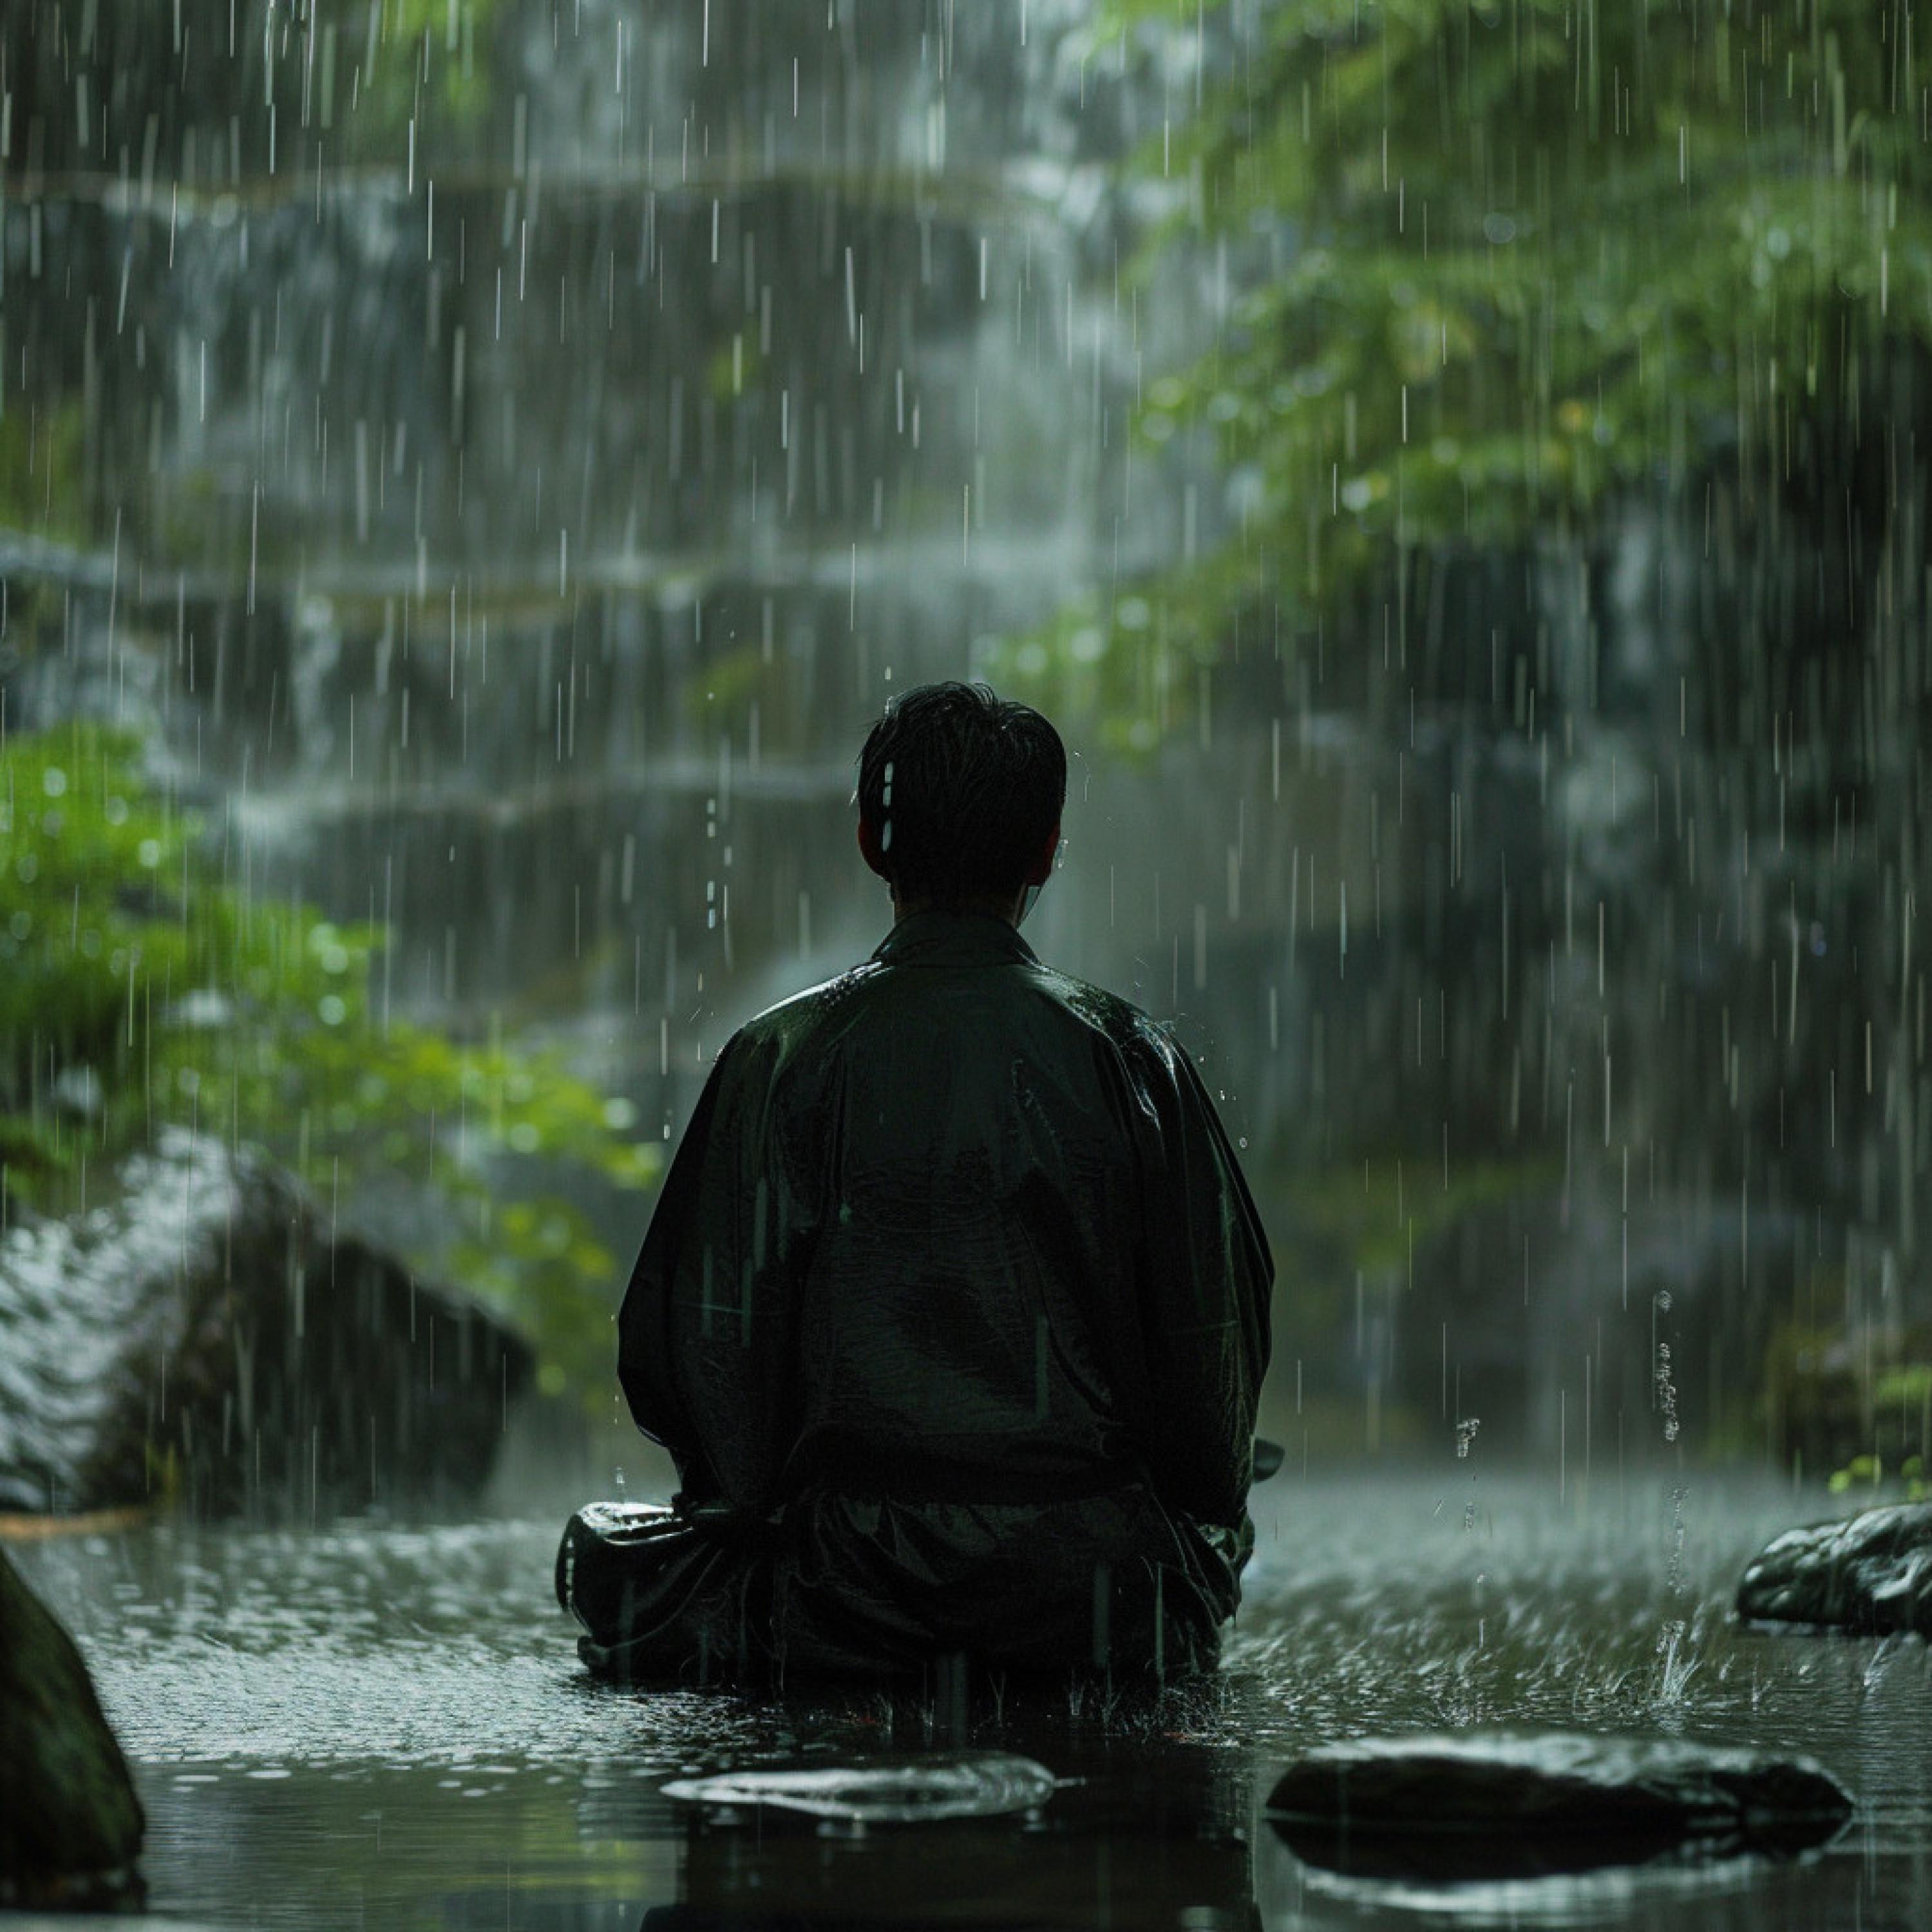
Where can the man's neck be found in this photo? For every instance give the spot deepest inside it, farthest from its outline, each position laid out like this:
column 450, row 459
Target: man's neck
column 991, row 906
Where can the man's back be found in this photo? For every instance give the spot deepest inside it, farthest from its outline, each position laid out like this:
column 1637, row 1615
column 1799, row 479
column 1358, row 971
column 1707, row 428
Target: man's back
column 953, row 1310
column 954, row 1234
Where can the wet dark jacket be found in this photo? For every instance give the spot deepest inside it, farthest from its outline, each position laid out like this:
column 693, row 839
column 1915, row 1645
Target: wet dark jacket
column 955, row 1276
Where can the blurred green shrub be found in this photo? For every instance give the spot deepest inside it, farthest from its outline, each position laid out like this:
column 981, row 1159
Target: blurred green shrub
column 1832, row 1401
column 386, row 67
column 139, row 986
column 1907, row 1389
column 1868, row 1472
column 43, row 454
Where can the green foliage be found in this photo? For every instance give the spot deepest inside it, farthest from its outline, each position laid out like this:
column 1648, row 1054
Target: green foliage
column 1363, row 1222
column 408, row 57
column 42, row 469
column 722, row 693
column 1135, row 664
column 188, row 999
column 1868, row 1472
column 1834, row 1399
column 1909, row 1386
column 1375, row 1215
column 734, row 367
column 1530, row 255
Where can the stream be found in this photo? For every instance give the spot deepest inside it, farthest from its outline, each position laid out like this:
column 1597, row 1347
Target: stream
column 386, row 1724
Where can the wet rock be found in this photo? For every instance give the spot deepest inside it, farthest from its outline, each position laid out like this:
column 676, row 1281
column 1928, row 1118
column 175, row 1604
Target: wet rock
column 70, row 1824
column 974, row 1784
column 201, row 1339
column 1871, row 1572
column 1507, row 1805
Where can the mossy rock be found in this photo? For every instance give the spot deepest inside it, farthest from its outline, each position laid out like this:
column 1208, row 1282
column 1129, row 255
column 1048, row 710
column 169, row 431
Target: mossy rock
column 70, row 1823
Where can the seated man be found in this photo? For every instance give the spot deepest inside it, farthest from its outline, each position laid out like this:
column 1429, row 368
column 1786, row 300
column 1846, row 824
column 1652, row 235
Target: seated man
column 954, row 1309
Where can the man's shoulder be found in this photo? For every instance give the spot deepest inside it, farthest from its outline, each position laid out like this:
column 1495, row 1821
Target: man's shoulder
column 810, row 1013
column 816, row 1016
column 1099, row 1007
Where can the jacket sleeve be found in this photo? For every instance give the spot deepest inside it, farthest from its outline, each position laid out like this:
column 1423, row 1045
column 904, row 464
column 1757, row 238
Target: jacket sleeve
column 1205, row 1289
column 707, row 1333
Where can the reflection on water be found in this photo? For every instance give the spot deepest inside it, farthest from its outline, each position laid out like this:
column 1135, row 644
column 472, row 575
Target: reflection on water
column 386, row 1725
column 1687, row 1890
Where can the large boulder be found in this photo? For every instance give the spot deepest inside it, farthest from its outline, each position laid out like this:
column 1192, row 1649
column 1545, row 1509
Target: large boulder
column 70, row 1824
column 1871, row 1572
column 1506, row 1804
column 203, row 1339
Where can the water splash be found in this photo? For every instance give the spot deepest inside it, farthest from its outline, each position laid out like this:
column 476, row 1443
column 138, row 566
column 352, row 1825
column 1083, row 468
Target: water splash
column 1666, row 1389
column 1673, row 1578
column 1466, row 1434
column 1675, row 1669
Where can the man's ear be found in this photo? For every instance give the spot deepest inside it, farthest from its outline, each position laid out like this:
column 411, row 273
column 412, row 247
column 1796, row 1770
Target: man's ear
column 1043, row 864
column 868, row 849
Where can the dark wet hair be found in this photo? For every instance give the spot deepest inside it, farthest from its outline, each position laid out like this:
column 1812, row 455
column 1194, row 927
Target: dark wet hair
column 976, row 783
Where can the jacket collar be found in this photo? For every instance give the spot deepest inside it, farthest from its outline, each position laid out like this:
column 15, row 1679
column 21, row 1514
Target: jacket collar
column 938, row 938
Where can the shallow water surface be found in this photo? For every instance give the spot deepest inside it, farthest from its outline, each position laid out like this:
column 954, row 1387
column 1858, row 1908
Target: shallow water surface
column 377, row 1725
